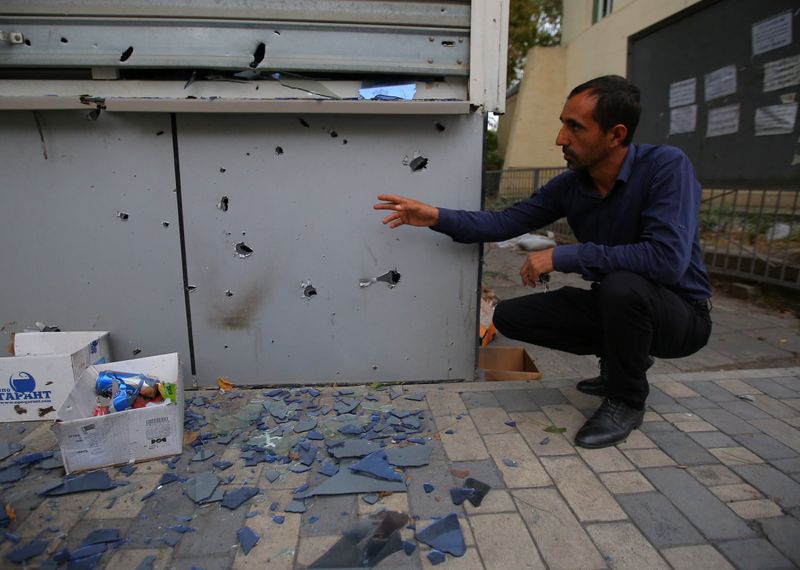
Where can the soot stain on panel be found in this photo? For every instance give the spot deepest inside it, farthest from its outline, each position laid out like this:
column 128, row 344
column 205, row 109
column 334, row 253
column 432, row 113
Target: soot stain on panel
column 238, row 313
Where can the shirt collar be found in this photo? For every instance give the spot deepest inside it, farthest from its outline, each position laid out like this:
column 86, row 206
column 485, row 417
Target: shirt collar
column 627, row 164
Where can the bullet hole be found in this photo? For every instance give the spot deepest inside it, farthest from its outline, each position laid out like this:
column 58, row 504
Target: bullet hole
column 137, row 351
column 223, row 204
column 126, row 55
column 191, row 288
column 344, row 141
column 27, row 42
column 243, row 250
column 222, row 171
column 93, row 115
column 304, row 123
column 226, row 347
column 448, row 43
column 418, row 163
column 48, row 383
column 165, row 224
column 229, row 293
column 440, row 127
column 308, row 290
column 333, row 134
column 374, row 366
column 247, row 153
column 159, row 133
column 64, row 41
column 123, row 216
column 258, row 55
column 278, row 150
column 391, row 278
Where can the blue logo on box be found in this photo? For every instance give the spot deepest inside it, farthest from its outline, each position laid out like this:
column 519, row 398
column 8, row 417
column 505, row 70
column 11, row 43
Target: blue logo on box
column 23, row 382
column 23, row 387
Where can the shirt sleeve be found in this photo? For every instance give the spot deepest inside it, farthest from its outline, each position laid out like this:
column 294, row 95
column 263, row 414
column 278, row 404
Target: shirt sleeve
column 669, row 223
column 540, row 209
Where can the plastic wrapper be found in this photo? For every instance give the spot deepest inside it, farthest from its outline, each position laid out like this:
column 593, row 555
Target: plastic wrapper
column 128, row 390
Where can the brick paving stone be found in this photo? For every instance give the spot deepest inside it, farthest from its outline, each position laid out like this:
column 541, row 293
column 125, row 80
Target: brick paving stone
column 330, row 514
column 735, row 456
column 683, row 449
column 697, row 403
column 278, row 543
column 736, row 492
column 218, row 562
column 681, row 417
column 713, row 392
column 783, row 532
column 425, row 505
column 695, row 558
column 710, row 475
column 445, row 403
column 651, row 416
column 695, row 427
column 677, row 390
column 626, row 482
column 737, row 387
column 503, row 541
column 605, row 460
column 659, row 520
column 781, row 431
column 648, row 457
column 528, row 472
column 216, row 533
column 311, row 548
column 397, row 502
column 756, row 509
column 794, row 422
column 63, row 512
column 772, row 483
column 793, row 402
column 698, row 504
column 565, row 416
column 479, row 400
column 463, row 445
column 745, row 410
column 727, row 422
column 548, row 397
column 754, row 554
column 773, row 388
column 765, row 446
column 128, row 502
column 672, row 408
column 516, row 400
column 580, row 400
column 584, row 492
column 497, row 501
column 657, row 427
column 774, row 407
column 531, row 427
column 637, row 440
column 559, row 536
column 791, row 465
column 485, row 471
column 490, row 420
column 470, row 561
column 658, row 397
column 713, row 439
column 130, row 559
column 466, row 529
column 624, row 547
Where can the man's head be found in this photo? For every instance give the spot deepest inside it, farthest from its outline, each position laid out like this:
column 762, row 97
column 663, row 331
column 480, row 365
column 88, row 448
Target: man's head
column 599, row 118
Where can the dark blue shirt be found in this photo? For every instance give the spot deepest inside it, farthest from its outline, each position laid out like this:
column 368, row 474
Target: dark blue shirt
column 647, row 224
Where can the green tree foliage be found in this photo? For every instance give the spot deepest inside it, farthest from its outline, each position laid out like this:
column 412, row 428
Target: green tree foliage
column 530, row 23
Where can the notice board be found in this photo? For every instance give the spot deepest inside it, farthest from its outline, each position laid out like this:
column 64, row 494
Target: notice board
column 721, row 81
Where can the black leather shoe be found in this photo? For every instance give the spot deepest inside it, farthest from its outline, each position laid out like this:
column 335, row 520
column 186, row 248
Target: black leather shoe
column 612, row 423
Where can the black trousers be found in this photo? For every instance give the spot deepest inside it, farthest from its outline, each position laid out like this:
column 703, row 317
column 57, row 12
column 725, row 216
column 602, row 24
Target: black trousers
column 625, row 318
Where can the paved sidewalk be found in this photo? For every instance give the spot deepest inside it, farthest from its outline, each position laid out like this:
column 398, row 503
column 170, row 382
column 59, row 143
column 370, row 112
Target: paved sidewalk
column 712, row 480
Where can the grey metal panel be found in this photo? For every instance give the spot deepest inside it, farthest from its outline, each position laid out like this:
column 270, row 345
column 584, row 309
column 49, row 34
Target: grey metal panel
column 67, row 258
column 307, row 214
column 225, row 44
column 455, row 13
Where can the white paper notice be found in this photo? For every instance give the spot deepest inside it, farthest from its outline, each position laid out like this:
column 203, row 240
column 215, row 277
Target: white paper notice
column 683, row 120
column 775, row 119
column 723, row 121
column 720, row 82
column 782, row 73
column 772, row 33
column 682, row 92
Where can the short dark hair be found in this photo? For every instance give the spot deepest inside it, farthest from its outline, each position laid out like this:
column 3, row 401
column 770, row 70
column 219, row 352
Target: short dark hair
column 617, row 103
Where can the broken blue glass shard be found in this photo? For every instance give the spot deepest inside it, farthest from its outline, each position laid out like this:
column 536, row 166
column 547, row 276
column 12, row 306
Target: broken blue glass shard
column 428, row 488
column 299, row 468
column 226, row 439
column 412, row 422
column 328, row 469
column 127, row 470
column 30, row 550
column 234, row 499
column 278, row 519
column 370, row 499
column 247, row 539
column 377, row 465
column 445, row 535
column 9, row 448
column 222, row 465
column 167, row 478
column 399, row 92
column 94, row 481
column 394, row 393
column 274, row 506
column 346, row 391
column 181, row 528
column 511, row 423
column 510, row 463
column 411, row 456
column 272, row 476
column 305, row 425
column 346, row 482
column 460, row 494
column 345, row 405
column 400, row 413
column 34, row 457
column 313, row 392
column 170, row 540
column 301, row 488
column 450, row 431
column 307, row 453
column 201, row 487
column 295, row 506
column 313, row 519
column 147, row 563
column 351, row 429
column 353, row 448
column 101, row 535
column 415, row 397
column 201, row 454
column 481, row 489
column 13, row 474
column 314, row 435
column 436, row 557
column 409, row 547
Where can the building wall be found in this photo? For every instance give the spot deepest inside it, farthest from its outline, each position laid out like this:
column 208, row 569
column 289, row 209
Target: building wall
column 504, row 125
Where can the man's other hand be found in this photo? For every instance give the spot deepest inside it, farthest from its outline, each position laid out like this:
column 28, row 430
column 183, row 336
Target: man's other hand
column 406, row 211
column 536, row 264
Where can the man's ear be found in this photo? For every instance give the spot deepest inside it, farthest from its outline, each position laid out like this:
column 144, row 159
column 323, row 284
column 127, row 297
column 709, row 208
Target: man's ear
column 616, row 134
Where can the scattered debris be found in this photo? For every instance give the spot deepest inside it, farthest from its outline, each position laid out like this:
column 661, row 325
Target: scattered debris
column 510, row 463
column 367, row 543
column 747, row 397
column 554, row 429
column 30, row 550
column 444, row 535
column 247, row 539
column 94, row 481
column 235, row 499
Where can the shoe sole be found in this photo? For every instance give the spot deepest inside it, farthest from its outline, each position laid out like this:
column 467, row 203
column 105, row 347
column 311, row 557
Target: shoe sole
column 590, row 393
column 637, row 426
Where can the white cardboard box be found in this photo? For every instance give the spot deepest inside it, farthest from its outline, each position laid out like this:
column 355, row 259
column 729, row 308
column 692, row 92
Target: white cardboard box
column 35, row 382
column 120, row 437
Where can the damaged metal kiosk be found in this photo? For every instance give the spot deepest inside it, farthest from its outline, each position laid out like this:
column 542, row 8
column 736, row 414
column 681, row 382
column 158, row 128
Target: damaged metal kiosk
column 198, row 178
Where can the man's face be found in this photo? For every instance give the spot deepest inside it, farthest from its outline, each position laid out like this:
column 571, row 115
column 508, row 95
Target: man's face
column 581, row 138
